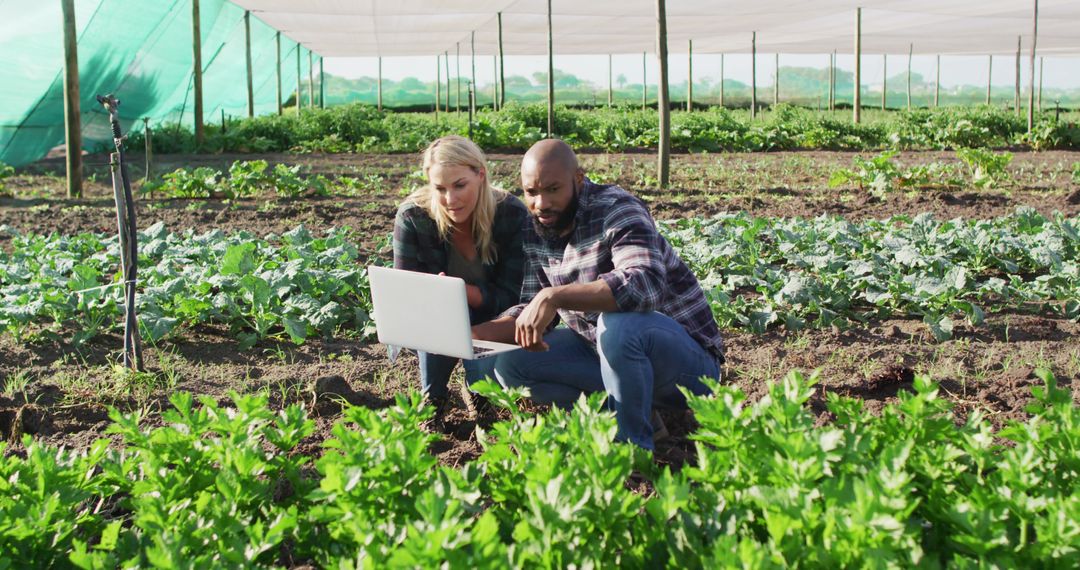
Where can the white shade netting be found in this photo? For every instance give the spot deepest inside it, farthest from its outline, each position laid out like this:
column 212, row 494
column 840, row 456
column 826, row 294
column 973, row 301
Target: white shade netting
column 414, row 27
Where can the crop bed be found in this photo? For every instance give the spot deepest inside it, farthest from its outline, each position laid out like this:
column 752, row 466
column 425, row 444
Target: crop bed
column 972, row 286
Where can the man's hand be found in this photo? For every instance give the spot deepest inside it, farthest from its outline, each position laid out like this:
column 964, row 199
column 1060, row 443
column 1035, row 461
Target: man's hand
column 530, row 326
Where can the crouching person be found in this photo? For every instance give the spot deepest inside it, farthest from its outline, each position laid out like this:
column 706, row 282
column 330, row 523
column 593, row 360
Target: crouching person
column 637, row 322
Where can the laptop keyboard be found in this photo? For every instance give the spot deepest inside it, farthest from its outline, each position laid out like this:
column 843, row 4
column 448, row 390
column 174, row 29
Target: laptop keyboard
column 477, row 350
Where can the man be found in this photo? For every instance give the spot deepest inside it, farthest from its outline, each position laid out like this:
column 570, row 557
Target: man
column 637, row 323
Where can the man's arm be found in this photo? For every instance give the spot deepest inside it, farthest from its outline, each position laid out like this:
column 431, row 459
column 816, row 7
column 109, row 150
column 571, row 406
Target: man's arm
column 497, row 330
column 537, row 316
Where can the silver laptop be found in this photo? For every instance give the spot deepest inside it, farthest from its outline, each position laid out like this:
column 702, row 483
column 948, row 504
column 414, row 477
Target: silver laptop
column 426, row 312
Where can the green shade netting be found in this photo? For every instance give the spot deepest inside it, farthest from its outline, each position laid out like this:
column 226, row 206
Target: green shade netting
column 142, row 53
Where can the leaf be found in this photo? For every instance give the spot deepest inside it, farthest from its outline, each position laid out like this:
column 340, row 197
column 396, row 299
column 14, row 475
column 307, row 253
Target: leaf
column 296, row 328
column 239, row 259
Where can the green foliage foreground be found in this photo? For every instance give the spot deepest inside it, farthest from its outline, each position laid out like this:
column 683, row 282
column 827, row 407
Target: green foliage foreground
column 223, row 486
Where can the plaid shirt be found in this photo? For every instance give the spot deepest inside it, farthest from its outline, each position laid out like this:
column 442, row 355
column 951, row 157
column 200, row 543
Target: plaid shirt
column 418, row 247
column 615, row 239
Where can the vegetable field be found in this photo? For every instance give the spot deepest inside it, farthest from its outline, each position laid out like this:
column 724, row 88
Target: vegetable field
column 903, row 333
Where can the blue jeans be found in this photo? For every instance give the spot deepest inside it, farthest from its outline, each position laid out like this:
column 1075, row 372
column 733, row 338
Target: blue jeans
column 435, row 372
column 641, row 359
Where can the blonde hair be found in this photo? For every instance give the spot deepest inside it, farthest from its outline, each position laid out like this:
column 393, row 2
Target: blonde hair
column 454, row 150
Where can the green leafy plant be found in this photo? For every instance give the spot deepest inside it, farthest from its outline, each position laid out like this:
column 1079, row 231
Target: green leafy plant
column 247, row 178
column 6, row 172
column 987, row 169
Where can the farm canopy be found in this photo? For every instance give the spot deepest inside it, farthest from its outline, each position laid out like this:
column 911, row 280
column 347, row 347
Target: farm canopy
column 142, row 51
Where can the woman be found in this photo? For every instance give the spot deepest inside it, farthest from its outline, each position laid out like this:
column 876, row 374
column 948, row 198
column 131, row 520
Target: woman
column 461, row 226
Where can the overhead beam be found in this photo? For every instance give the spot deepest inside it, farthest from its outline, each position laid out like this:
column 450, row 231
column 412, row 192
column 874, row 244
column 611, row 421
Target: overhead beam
column 72, row 108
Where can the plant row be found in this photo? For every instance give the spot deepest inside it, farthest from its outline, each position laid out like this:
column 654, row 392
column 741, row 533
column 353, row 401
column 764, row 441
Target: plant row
column 222, row 485
column 294, row 285
column 249, row 178
column 757, row 273
column 362, row 128
column 762, row 272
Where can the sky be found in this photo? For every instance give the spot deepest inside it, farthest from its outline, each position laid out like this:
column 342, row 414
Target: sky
column 1059, row 72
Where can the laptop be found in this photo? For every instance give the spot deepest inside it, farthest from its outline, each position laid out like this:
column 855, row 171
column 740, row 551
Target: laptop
column 426, row 312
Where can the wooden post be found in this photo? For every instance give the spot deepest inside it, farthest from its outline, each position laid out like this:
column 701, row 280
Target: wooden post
column 690, row 75
column 1016, row 93
column 937, row 81
column 196, row 43
column 502, row 71
column 72, row 109
column 310, row 80
column 438, row 86
column 610, row 98
column 495, row 83
column 378, row 84
column 662, row 94
column 911, row 49
column 753, row 75
column 277, row 40
column 322, row 85
column 457, row 68
column 298, row 81
column 884, row 80
column 446, row 62
column 644, row 82
column 247, row 59
column 551, row 74
column 857, row 97
column 989, row 77
column 721, row 80
column 1031, row 67
column 776, row 81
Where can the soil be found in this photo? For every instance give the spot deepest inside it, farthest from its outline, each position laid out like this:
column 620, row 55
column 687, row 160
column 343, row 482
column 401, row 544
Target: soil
column 61, row 394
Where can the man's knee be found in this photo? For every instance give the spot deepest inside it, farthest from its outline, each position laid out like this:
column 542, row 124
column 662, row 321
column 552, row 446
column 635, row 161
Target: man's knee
column 614, row 330
column 511, row 369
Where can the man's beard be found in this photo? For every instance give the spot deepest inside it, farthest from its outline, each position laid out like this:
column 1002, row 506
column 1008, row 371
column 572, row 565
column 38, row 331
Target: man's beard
column 564, row 221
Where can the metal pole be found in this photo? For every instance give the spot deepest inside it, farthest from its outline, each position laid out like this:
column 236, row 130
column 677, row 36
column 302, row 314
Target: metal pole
column 833, row 85
column 1042, row 60
column 937, row 81
column 196, row 43
column 148, row 137
column 1016, row 93
column 72, row 110
column 378, row 84
column 322, row 85
column 690, row 75
column 247, row 59
column 721, row 80
column 663, row 103
column 310, row 80
column 1031, row 67
column 776, row 81
column 609, row 93
column 884, row 80
column 856, row 104
column 502, row 63
column 753, row 75
column 644, row 82
column 989, row 77
column 551, row 75
column 472, row 62
column 298, row 76
column 911, row 49
column 277, row 40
